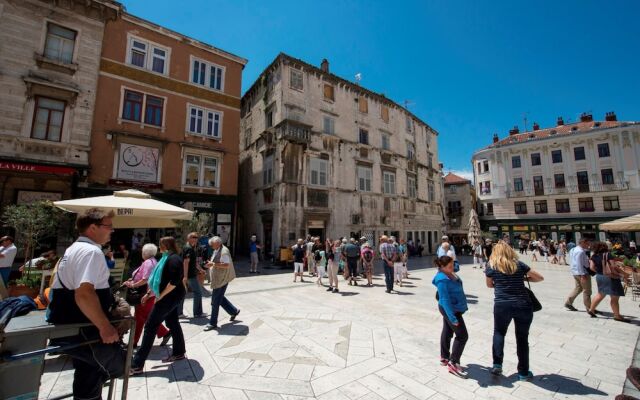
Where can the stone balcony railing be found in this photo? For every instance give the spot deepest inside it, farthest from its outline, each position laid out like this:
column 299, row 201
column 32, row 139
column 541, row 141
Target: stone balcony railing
column 568, row 189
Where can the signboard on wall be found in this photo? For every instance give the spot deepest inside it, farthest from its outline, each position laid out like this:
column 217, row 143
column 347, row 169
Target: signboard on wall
column 138, row 163
column 30, row 196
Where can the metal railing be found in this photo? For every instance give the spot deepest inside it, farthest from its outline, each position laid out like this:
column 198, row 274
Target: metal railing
column 568, row 189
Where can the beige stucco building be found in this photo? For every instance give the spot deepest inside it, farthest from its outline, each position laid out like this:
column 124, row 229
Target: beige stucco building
column 324, row 156
column 459, row 200
column 561, row 181
column 49, row 60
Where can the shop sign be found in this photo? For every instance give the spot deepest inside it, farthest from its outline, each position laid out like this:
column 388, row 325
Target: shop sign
column 565, row 228
column 520, row 228
column 29, row 196
column 493, row 228
column 505, row 228
column 138, row 163
column 47, row 169
column 318, row 224
column 136, row 184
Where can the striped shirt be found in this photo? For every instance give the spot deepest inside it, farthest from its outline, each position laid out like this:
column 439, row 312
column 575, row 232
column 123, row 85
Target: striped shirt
column 510, row 288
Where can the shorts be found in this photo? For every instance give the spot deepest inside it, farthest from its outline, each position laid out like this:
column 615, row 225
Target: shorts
column 298, row 267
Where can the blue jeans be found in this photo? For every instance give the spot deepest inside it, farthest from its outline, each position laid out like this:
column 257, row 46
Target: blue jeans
column 522, row 318
column 197, row 297
column 218, row 300
column 5, row 272
column 388, row 275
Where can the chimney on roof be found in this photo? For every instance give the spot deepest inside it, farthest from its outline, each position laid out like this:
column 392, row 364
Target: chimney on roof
column 514, row 131
column 610, row 116
column 536, row 127
column 560, row 121
column 324, row 65
column 586, row 117
column 496, row 139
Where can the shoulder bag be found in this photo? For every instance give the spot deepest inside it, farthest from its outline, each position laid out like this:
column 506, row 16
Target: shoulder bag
column 535, row 303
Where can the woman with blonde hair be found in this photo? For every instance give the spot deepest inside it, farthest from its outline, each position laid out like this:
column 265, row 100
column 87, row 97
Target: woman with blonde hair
column 512, row 302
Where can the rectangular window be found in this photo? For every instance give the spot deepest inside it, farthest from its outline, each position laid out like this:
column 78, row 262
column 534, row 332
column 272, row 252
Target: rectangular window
column 607, row 176
column 365, row 176
column 540, row 206
column 296, row 79
column 556, row 156
column 583, row 181
column 363, row 105
column 562, row 206
column 200, row 170
column 558, row 180
column 517, row 185
column 267, row 170
column 319, row 171
column 203, row 121
column 207, row 74
column 328, row 125
column 578, row 153
column 389, row 182
column 363, row 136
column 535, row 159
column 329, row 92
column 268, row 118
column 538, row 186
column 47, row 119
column 516, row 162
column 59, row 43
column 489, row 208
column 603, row 150
column 386, row 141
column 384, row 113
column 408, row 124
column 411, row 186
column 411, row 151
column 431, row 191
column 585, row 204
column 132, row 106
column 611, row 203
column 485, row 166
column 520, row 207
column 147, row 55
column 153, row 111
column 485, row 187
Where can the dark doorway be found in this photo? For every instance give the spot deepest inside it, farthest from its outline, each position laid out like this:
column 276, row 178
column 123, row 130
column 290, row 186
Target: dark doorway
column 267, row 228
column 317, row 232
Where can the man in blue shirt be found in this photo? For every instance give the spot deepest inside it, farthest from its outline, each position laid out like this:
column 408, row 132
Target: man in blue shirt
column 253, row 253
column 579, row 263
column 441, row 252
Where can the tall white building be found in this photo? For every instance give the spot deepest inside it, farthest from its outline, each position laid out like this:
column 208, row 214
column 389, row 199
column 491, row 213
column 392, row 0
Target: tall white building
column 561, row 181
column 324, row 156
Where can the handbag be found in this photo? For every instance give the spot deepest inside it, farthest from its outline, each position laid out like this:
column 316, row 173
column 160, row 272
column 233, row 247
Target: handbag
column 535, row 303
column 133, row 296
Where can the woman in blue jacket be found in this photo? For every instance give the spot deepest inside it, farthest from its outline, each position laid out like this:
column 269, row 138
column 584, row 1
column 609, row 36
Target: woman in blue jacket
column 452, row 303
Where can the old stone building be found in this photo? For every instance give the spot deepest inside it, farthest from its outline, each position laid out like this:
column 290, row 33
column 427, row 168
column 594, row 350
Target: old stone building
column 327, row 157
column 49, row 57
column 560, row 182
column 168, row 121
column 459, row 200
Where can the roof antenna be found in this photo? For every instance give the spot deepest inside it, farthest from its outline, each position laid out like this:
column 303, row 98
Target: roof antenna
column 524, row 117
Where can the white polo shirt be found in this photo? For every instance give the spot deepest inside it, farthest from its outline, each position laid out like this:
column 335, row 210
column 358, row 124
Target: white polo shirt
column 9, row 253
column 83, row 262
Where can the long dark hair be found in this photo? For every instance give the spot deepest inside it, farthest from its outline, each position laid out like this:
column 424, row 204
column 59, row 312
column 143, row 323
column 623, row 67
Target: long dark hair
column 442, row 262
column 169, row 243
column 599, row 247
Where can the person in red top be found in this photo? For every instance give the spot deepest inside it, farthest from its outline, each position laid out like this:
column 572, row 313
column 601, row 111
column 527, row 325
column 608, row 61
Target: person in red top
column 366, row 256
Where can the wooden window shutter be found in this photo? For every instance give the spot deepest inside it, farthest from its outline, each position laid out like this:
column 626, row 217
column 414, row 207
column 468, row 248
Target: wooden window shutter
column 363, row 105
column 384, row 113
column 328, row 92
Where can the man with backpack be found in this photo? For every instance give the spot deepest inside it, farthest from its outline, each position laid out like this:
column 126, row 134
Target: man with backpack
column 352, row 253
column 366, row 256
column 299, row 252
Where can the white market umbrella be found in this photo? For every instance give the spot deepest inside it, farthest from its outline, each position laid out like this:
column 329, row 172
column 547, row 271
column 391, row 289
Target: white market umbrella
column 132, row 209
column 627, row 224
column 474, row 227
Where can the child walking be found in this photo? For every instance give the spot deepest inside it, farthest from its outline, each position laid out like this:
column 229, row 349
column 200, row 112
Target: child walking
column 452, row 303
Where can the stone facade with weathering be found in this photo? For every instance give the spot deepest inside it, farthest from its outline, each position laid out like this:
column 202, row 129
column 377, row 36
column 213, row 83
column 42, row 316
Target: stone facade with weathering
column 326, row 157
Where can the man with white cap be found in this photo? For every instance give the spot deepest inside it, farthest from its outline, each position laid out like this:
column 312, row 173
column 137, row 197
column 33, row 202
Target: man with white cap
column 441, row 252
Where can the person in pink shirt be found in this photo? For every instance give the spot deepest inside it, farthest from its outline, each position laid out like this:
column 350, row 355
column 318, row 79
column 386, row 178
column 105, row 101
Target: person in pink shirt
column 139, row 279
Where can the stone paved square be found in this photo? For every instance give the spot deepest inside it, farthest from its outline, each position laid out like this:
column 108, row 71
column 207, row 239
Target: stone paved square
column 296, row 341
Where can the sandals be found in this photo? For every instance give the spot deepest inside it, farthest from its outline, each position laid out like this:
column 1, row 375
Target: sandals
column 174, row 358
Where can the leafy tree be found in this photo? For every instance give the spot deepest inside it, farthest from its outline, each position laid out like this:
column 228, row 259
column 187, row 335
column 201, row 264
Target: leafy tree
column 32, row 223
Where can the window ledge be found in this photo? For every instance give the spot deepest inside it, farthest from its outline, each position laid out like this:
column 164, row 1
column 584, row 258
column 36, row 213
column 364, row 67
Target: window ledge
column 142, row 125
column 55, row 65
column 213, row 138
column 200, row 189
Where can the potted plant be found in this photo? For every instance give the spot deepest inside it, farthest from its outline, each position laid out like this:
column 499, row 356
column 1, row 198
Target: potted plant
column 32, row 222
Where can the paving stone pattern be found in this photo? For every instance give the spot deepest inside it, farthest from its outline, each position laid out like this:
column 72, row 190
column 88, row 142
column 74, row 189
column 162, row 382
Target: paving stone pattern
column 296, row 341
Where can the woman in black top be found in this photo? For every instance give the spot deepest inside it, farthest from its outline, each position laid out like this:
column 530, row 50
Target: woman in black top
column 171, row 293
column 607, row 286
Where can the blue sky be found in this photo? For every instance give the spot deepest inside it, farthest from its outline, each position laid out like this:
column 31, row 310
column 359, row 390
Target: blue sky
column 469, row 68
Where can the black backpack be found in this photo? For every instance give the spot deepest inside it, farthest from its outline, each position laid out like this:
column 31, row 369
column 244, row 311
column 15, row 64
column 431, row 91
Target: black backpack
column 317, row 256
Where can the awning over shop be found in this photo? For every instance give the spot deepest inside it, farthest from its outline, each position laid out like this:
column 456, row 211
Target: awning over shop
column 627, row 224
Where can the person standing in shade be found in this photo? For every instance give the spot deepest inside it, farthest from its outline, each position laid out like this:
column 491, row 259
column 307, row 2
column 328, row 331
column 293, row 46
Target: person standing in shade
column 388, row 254
column 191, row 272
column 222, row 272
column 254, row 247
column 452, row 303
column 166, row 283
column 8, row 253
column 299, row 254
column 579, row 263
column 506, row 275
column 352, row 253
